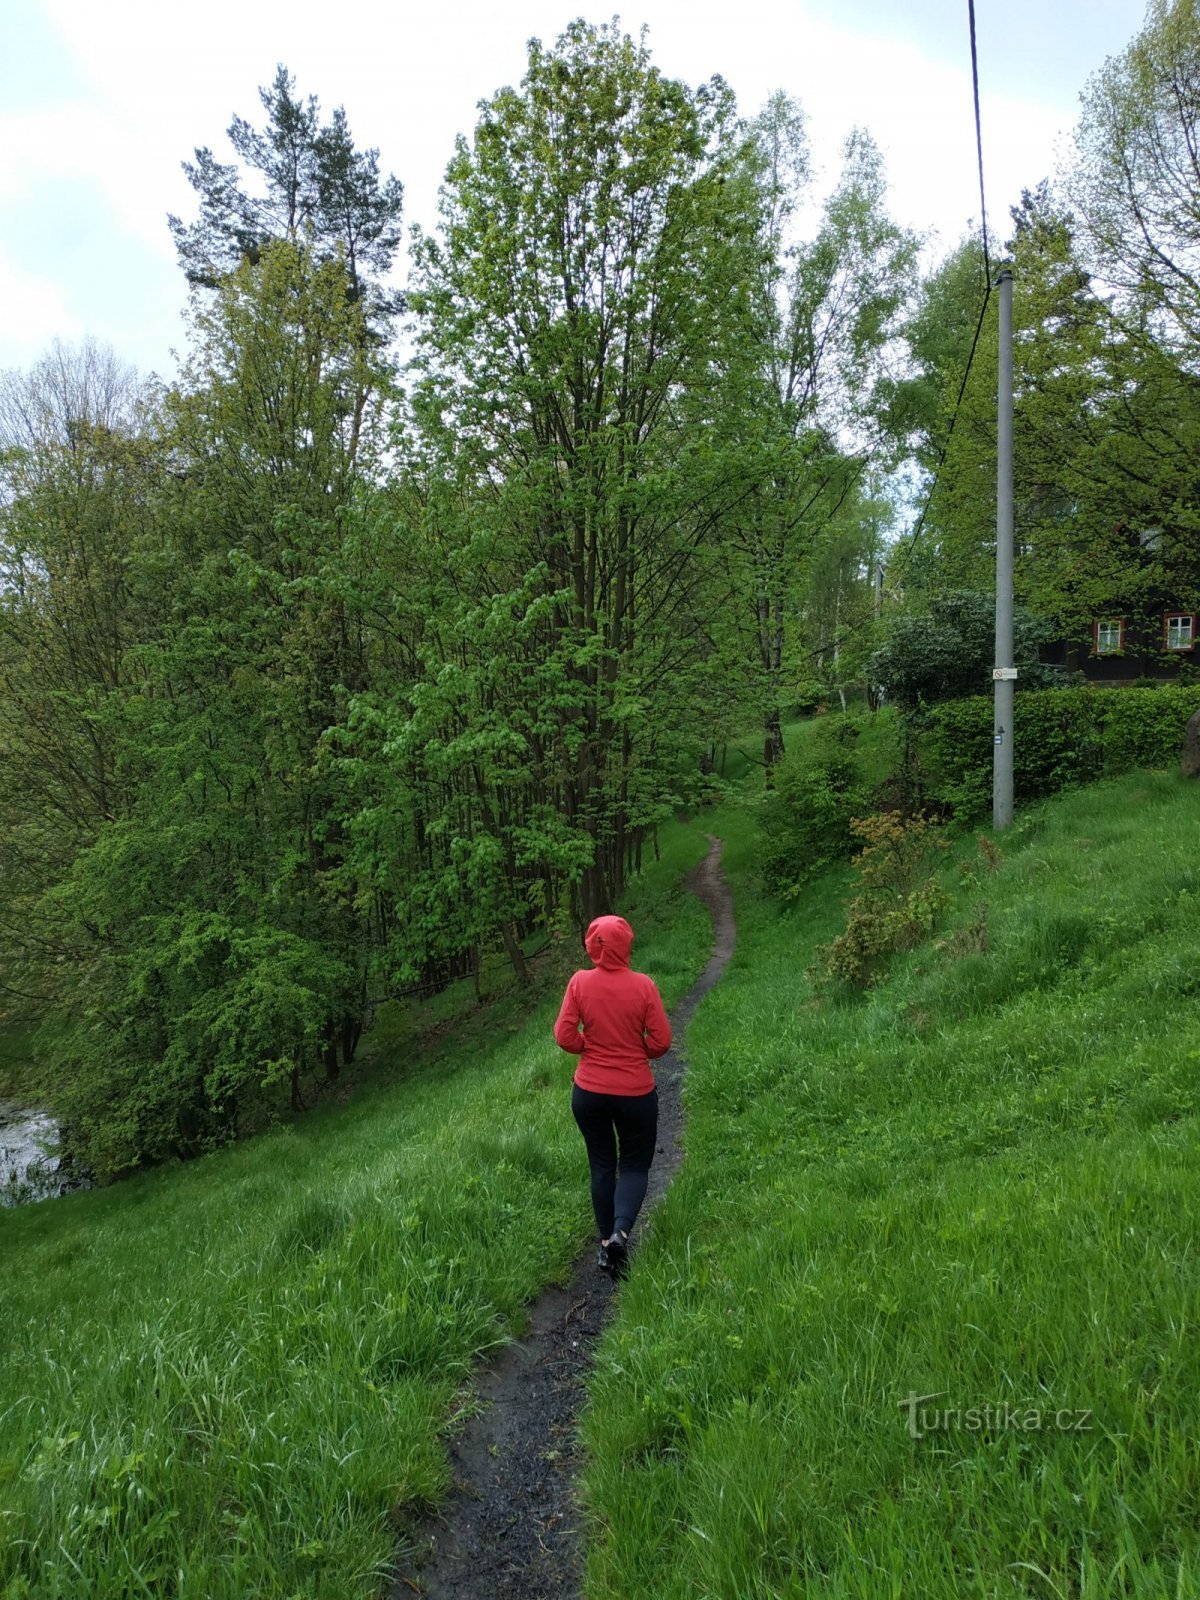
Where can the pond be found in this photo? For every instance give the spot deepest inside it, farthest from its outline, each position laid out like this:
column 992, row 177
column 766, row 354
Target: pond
column 30, row 1168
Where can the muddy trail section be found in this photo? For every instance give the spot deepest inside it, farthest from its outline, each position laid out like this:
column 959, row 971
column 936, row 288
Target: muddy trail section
column 511, row 1528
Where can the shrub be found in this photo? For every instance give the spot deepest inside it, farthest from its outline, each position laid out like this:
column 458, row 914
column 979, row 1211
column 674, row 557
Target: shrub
column 947, row 651
column 898, row 900
column 1060, row 737
column 806, row 818
column 1144, row 727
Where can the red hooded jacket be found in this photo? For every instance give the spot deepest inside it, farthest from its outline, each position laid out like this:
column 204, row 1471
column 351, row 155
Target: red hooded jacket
column 621, row 1014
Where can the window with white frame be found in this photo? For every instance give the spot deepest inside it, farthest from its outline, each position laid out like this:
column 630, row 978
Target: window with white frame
column 1179, row 631
column 1109, row 635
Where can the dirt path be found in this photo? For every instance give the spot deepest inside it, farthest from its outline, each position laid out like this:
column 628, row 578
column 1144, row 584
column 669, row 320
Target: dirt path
column 511, row 1528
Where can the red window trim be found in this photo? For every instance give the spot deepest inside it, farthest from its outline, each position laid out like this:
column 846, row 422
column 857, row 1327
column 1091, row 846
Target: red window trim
column 1120, row 621
column 1178, row 649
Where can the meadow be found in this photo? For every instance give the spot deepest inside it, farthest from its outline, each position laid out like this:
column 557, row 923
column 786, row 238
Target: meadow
column 973, row 1184
column 224, row 1378
column 918, row 1316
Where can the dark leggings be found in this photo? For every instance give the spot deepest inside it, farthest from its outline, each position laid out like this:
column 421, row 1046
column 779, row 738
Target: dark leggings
column 603, row 1119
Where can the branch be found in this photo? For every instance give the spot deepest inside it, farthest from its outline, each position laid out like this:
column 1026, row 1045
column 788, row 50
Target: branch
column 748, row 756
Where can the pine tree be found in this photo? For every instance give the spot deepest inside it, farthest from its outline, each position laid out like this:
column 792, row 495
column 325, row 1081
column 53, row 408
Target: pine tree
column 319, row 191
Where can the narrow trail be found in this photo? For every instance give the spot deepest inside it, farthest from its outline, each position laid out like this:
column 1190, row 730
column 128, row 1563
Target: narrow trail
column 511, row 1527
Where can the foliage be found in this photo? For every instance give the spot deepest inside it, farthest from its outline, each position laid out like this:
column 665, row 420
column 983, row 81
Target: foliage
column 590, row 278
column 176, row 644
column 814, row 401
column 947, row 650
column 1060, row 737
column 806, row 818
column 898, row 900
column 78, row 470
column 373, row 691
column 1135, row 176
column 1105, row 435
column 320, row 192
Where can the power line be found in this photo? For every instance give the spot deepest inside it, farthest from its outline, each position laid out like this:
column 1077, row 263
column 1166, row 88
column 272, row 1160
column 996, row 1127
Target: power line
column 919, row 525
column 987, row 265
column 987, row 293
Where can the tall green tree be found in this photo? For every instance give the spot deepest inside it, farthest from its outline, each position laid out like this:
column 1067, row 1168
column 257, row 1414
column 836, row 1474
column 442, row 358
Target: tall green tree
column 590, row 275
column 78, row 469
column 1136, row 180
column 1135, row 188
column 217, row 948
column 1105, row 424
column 825, row 341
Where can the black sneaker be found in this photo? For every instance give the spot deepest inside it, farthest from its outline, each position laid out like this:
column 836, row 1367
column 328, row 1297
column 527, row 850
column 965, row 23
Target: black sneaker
column 617, row 1252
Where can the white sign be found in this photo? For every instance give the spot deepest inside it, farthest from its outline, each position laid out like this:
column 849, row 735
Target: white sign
column 1003, row 674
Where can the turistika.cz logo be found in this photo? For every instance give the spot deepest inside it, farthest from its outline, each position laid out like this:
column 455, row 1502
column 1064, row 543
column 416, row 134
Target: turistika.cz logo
column 1000, row 1416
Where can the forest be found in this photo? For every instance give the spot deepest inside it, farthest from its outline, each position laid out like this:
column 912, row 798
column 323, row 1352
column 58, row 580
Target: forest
column 378, row 646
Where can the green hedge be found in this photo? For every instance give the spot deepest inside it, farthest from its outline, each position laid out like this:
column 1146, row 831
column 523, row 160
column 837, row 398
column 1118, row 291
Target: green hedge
column 1061, row 737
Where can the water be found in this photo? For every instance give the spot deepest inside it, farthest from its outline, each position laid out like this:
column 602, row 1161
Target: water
column 30, row 1168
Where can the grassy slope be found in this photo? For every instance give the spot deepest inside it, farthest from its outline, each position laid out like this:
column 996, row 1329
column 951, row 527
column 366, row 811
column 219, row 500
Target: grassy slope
column 876, row 748
column 979, row 1181
column 219, row 1380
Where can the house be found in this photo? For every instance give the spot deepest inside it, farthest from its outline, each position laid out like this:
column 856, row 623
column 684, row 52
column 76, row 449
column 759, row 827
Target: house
column 1152, row 631
column 1128, row 643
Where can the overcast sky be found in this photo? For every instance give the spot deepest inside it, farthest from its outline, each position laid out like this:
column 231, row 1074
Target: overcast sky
column 100, row 100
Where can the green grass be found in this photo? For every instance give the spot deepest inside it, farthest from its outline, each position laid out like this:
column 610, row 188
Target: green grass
column 223, row 1379
column 977, row 1182
column 876, row 747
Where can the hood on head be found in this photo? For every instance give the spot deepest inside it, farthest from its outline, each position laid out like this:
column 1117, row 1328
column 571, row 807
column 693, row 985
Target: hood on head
column 608, row 941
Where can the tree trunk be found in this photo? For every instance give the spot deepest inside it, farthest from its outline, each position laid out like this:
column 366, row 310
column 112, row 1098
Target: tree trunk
column 351, row 1033
column 772, row 746
column 837, row 641
column 332, row 1064
column 596, row 900
column 516, row 955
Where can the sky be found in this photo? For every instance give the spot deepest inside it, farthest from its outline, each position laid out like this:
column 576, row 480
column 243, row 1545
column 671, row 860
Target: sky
column 100, row 103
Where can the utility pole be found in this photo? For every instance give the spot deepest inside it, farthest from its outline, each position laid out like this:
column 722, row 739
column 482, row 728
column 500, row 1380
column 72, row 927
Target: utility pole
column 1004, row 674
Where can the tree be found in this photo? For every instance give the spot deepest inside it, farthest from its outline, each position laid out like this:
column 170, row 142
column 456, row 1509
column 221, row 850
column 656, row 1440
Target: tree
column 78, row 460
column 213, row 946
column 319, row 190
column 1136, row 187
column 1061, row 336
column 946, row 651
column 836, row 596
column 819, row 387
column 1105, row 433
column 590, row 277
column 1136, row 182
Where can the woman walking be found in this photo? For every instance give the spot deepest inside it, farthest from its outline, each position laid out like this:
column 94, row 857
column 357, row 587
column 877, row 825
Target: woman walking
column 615, row 1098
